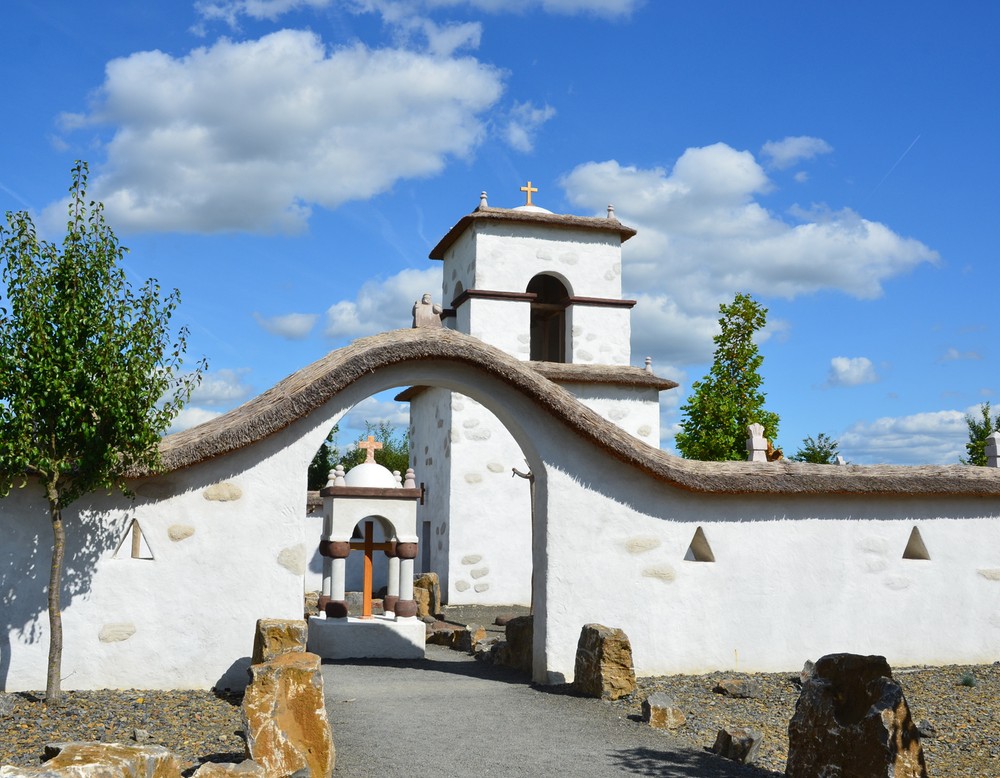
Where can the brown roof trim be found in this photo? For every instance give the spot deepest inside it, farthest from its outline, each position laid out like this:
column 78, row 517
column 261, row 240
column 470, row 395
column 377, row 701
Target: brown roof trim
column 530, row 297
column 311, row 387
column 600, row 302
column 372, row 492
column 610, row 375
column 500, row 215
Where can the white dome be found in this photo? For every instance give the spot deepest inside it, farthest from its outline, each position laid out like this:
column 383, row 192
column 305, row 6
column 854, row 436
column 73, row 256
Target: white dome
column 532, row 209
column 371, row 474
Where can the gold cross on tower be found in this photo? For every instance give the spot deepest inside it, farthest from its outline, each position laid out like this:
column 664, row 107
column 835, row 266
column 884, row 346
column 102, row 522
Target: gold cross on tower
column 528, row 190
column 370, row 447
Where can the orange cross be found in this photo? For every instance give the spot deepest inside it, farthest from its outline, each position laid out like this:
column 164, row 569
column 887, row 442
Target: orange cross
column 369, row 546
column 528, row 190
column 370, row 448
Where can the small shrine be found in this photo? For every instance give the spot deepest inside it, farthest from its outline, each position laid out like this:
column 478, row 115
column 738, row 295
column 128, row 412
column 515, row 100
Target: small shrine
column 353, row 504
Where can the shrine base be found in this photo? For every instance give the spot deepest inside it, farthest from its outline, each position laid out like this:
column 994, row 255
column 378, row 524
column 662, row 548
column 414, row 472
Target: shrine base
column 375, row 638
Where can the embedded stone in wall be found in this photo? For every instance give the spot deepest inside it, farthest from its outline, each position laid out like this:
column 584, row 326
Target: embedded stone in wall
column 584, row 356
column 107, row 760
column 116, row 633
column 480, row 572
column 617, row 414
column 663, row 573
column 285, row 719
column 274, row 637
column 645, row 431
column 293, row 559
column 603, row 663
column 473, row 478
column 992, row 574
column 481, row 587
column 179, row 532
column 641, row 545
column 478, row 434
column 462, row 586
column 471, row 559
column 470, row 423
column 495, row 467
column 223, row 492
column 897, row 582
column 851, row 718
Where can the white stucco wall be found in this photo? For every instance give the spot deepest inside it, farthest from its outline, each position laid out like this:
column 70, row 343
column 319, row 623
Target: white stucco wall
column 505, row 324
column 430, row 455
column 635, row 410
column 600, row 335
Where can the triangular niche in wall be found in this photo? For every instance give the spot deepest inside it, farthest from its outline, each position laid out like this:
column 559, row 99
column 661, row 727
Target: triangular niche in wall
column 133, row 544
column 699, row 550
column 915, row 548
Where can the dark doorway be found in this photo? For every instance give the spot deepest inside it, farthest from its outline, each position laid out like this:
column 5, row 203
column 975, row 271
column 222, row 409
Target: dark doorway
column 548, row 319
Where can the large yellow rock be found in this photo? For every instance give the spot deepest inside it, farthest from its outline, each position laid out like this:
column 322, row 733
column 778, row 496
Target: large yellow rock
column 274, row 637
column 603, row 663
column 284, row 717
column 101, row 760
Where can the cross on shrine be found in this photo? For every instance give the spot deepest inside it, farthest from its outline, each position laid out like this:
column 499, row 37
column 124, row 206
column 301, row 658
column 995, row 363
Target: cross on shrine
column 370, row 447
column 528, row 190
column 369, row 546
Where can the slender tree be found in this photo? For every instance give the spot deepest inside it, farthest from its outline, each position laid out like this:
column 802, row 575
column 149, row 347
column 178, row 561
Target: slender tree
column 728, row 399
column 821, row 451
column 89, row 372
column 979, row 429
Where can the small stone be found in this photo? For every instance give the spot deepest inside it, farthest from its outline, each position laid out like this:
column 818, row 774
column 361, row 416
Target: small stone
column 603, row 663
column 518, row 648
column 738, row 744
column 926, row 729
column 807, row 671
column 740, row 688
column 662, row 712
column 464, row 638
column 141, row 736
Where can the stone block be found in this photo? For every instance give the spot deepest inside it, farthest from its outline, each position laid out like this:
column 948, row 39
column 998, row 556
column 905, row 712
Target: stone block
column 100, row 760
column 741, row 688
column 432, row 585
column 738, row 744
column 662, row 712
column 285, row 720
column 464, row 638
column 603, row 663
column 518, row 651
column 422, row 598
column 851, row 718
column 274, row 637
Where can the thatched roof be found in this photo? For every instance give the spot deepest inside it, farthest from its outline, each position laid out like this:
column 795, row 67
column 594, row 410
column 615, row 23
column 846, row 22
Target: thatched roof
column 312, row 386
column 512, row 215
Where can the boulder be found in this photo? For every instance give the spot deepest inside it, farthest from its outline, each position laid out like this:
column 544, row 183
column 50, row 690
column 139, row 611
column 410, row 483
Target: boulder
column 441, row 633
column 741, row 688
column 100, row 760
column 603, row 663
column 245, row 769
column 662, row 712
column 464, row 638
column 422, row 598
column 739, row 744
column 430, row 583
column 274, row 637
column 852, row 719
column 518, row 649
column 284, row 717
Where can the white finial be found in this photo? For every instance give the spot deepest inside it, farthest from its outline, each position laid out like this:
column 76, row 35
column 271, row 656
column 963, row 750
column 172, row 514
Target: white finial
column 649, row 364
column 482, row 200
column 398, row 476
column 411, row 479
column 339, row 476
column 611, row 211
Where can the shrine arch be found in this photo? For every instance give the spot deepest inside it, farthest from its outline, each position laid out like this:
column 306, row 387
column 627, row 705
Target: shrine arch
column 549, row 318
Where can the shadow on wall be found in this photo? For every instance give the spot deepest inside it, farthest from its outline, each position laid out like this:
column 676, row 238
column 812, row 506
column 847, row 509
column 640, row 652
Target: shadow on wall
column 25, row 564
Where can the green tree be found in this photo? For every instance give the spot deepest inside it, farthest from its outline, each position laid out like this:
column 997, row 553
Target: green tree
column 728, row 399
column 394, row 454
column 821, row 451
column 979, row 429
column 89, row 372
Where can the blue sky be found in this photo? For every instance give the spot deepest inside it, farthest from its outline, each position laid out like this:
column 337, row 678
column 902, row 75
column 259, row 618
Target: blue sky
column 288, row 164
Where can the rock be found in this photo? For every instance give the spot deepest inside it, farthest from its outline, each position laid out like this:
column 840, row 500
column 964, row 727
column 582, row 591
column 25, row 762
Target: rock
column 284, row 717
column 441, row 633
column 518, row 649
column 245, row 769
column 852, row 719
column 603, row 663
column 807, row 671
column 741, row 688
column 739, row 744
column 430, row 583
column 483, row 649
column 661, row 712
column 274, row 637
column 926, row 729
column 100, row 760
column 464, row 638
column 501, row 621
column 141, row 736
column 422, row 598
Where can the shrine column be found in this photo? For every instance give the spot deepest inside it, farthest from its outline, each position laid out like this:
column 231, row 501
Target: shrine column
column 406, row 606
column 335, row 553
column 392, row 582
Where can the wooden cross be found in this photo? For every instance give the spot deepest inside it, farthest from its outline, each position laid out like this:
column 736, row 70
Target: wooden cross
column 370, row 447
column 369, row 546
column 528, row 190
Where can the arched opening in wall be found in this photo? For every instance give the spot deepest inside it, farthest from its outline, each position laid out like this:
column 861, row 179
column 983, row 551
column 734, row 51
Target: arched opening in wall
column 699, row 549
column 548, row 319
column 915, row 548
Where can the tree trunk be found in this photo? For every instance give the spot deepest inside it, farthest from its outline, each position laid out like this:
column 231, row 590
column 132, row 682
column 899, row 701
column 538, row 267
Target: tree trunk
column 53, row 685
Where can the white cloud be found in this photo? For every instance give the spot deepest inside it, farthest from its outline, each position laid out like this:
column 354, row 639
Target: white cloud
column 192, row 417
column 936, row 437
column 523, row 123
column 376, row 411
column 252, row 135
column 382, row 304
column 851, row 371
column 954, row 355
column 703, row 236
column 789, row 151
column 222, row 388
column 292, row 326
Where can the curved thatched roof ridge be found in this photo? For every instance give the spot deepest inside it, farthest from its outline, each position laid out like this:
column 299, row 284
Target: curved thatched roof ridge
column 311, row 387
